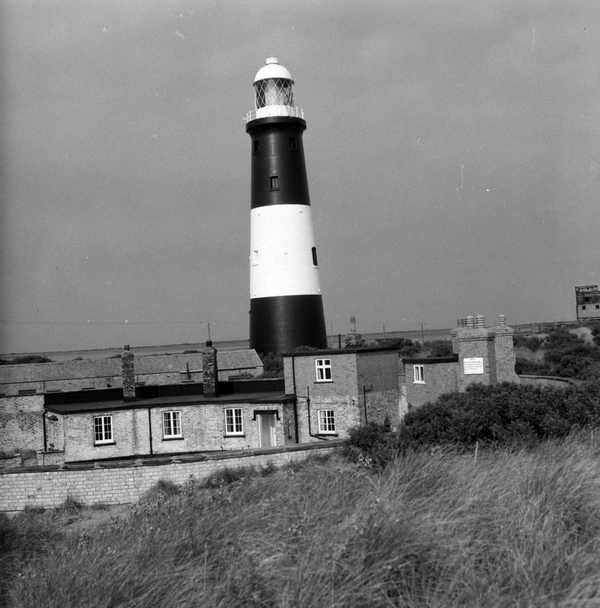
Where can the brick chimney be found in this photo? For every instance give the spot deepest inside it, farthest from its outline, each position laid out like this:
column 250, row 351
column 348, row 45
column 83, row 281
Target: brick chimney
column 210, row 373
column 128, row 374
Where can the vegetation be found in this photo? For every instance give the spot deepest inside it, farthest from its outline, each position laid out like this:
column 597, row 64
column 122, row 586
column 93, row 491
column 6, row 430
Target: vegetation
column 563, row 353
column 438, row 348
column 505, row 529
column 406, row 347
column 503, row 415
column 25, row 359
column 272, row 365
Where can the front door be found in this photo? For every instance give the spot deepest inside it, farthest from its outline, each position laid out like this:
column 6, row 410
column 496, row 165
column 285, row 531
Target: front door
column 266, row 430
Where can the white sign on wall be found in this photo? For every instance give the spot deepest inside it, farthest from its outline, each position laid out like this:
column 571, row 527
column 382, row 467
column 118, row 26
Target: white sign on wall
column 473, row 365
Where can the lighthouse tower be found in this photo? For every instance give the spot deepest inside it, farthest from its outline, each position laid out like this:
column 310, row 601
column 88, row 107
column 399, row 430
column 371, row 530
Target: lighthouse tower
column 286, row 307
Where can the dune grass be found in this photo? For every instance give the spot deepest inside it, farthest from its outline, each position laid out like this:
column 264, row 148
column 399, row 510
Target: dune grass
column 442, row 530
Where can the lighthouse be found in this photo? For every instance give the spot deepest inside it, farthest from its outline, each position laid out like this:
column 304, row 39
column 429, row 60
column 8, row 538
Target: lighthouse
column 286, row 306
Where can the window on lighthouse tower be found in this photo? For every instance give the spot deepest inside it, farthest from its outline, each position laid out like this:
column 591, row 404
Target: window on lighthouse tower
column 274, row 182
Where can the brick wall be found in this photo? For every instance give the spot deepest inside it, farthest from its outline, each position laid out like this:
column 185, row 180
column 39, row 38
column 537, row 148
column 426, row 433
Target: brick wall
column 127, row 431
column 21, row 423
column 202, row 426
column 439, row 378
column 547, row 381
column 378, row 372
column 504, row 355
column 474, row 343
column 341, row 395
column 122, row 485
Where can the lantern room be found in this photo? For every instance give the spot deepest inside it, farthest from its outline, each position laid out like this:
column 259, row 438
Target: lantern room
column 273, row 85
column 273, row 92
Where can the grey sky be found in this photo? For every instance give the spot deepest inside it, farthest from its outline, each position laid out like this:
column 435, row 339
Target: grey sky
column 125, row 165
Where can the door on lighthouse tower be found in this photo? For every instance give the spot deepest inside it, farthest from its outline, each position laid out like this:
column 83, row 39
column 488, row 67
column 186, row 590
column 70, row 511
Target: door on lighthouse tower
column 267, row 429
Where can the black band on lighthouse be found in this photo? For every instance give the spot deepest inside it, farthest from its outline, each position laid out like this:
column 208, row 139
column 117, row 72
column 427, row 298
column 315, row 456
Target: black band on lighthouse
column 278, row 167
column 282, row 323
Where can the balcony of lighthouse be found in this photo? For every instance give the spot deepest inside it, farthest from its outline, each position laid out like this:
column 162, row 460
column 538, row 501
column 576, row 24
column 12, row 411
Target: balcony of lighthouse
column 270, row 111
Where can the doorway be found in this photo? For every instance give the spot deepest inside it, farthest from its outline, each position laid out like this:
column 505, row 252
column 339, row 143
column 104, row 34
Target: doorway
column 267, row 429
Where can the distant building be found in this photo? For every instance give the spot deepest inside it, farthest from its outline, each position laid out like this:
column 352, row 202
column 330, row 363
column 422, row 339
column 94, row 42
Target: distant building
column 587, row 302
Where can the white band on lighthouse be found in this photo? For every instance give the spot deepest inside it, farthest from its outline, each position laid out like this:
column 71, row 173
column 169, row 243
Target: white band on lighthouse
column 281, row 252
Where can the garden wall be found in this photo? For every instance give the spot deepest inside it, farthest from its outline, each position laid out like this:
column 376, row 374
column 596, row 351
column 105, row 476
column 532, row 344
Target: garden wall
column 551, row 381
column 122, row 482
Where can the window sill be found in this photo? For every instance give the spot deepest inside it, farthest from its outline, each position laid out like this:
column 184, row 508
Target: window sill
column 233, row 435
column 174, row 438
column 99, row 444
column 327, row 434
column 419, row 382
column 323, row 382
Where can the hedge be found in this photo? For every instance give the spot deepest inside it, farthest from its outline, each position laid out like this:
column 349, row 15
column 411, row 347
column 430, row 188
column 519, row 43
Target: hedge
column 500, row 415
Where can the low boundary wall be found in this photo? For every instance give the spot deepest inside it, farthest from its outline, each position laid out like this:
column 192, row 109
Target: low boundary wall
column 122, row 482
column 551, row 381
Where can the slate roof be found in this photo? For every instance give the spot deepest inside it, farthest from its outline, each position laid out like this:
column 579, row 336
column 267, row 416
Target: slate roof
column 227, row 360
column 171, row 400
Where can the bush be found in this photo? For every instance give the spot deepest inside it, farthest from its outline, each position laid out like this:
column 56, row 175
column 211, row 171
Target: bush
column 533, row 368
column 272, row 365
column 71, row 506
column 24, row 359
column 504, row 414
column 371, row 444
column 230, row 475
column 406, row 347
column 439, row 348
column 533, row 343
column 569, row 356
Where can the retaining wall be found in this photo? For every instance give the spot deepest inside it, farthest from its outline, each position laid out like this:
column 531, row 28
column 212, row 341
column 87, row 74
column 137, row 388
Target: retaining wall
column 551, row 381
column 122, row 482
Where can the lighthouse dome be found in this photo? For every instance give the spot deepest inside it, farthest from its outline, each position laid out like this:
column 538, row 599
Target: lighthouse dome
column 272, row 69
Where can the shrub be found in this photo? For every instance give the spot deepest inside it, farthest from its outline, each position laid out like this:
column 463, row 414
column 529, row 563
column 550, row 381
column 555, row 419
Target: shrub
column 71, row 505
column 272, row 365
column 228, row 475
column 533, row 343
column 406, row 347
column 371, row 444
column 533, row 368
column 500, row 415
column 439, row 348
column 25, row 359
column 504, row 414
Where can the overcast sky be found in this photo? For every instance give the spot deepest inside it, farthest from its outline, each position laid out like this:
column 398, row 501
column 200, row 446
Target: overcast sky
column 452, row 150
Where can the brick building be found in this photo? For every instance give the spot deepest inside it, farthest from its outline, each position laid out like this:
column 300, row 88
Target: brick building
column 340, row 389
column 587, row 302
column 196, row 406
column 47, row 407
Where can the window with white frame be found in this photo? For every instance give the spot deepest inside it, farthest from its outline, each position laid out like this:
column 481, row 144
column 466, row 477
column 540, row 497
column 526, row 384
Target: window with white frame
column 172, row 425
column 326, row 421
column 233, row 421
column 419, row 374
column 323, row 370
column 103, row 432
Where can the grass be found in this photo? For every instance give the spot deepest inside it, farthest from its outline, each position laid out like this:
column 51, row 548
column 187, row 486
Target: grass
column 441, row 530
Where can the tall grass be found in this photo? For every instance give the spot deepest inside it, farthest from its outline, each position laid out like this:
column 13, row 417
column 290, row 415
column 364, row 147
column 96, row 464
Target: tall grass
column 442, row 530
